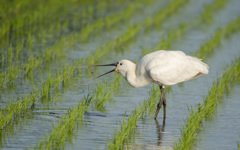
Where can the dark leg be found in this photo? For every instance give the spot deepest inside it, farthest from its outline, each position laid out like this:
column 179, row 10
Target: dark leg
column 162, row 101
column 164, row 105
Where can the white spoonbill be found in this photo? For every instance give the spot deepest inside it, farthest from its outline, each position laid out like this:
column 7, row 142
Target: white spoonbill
column 161, row 67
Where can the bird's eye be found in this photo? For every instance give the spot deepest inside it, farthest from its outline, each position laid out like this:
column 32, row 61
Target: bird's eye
column 120, row 63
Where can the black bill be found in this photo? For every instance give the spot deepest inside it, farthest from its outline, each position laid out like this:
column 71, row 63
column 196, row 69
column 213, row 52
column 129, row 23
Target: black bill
column 114, row 70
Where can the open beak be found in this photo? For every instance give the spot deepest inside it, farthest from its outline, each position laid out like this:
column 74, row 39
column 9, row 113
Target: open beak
column 114, row 70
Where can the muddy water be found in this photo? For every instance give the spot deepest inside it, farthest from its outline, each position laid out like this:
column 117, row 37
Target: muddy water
column 97, row 126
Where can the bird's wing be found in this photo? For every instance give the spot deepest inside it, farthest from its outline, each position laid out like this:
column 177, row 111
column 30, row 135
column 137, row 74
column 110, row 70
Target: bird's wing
column 172, row 67
column 172, row 74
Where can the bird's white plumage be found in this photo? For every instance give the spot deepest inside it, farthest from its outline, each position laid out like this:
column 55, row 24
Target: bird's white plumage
column 162, row 67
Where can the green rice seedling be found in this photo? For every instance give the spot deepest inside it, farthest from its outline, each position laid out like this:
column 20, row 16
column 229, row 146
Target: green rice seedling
column 104, row 91
column 67, row 73
column 231, row 27
column 127, row 128
column 229, row 78
column 16, row 108
column 10, row 55
column 3, row 79
column 57, row 81
column 162, row 14
column 128, row 13
column 30, row 41
column 64, row 75
column 207, row 15
column 3, row 59
column 114, row 85
column 46, row 88
column 89, row 28
column 50, row 54
column 172, row 35
column 101, row 94
column 154, row 94
column 10, row 129
column 32, row 63
column 12, row 73
column 208, row 47
column 63, row 130
column 128, row 35
column 19, row 47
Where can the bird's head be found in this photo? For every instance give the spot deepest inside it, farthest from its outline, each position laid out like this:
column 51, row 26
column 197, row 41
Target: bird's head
column 123, row 67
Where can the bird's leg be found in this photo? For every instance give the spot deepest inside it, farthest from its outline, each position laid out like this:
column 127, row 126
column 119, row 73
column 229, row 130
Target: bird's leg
column 164, row 103
column 159, row 105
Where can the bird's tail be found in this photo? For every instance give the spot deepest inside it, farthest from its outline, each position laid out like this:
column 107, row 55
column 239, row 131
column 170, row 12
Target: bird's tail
column 202, row 67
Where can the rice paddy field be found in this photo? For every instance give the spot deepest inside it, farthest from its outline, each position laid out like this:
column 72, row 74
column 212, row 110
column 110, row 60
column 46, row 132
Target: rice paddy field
column 44, row 105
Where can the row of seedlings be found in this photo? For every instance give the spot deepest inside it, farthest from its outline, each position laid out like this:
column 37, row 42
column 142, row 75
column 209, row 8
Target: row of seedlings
column 50, row 53
column 40, row 15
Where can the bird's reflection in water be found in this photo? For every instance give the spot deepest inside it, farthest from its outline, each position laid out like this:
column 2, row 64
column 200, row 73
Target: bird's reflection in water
column 160, row 131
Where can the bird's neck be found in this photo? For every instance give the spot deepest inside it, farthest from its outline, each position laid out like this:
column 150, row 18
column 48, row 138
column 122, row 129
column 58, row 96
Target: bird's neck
column 134, row 79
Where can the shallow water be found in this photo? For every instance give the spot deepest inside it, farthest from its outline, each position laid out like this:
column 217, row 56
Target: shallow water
column 222, row 131
column 98, row 126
